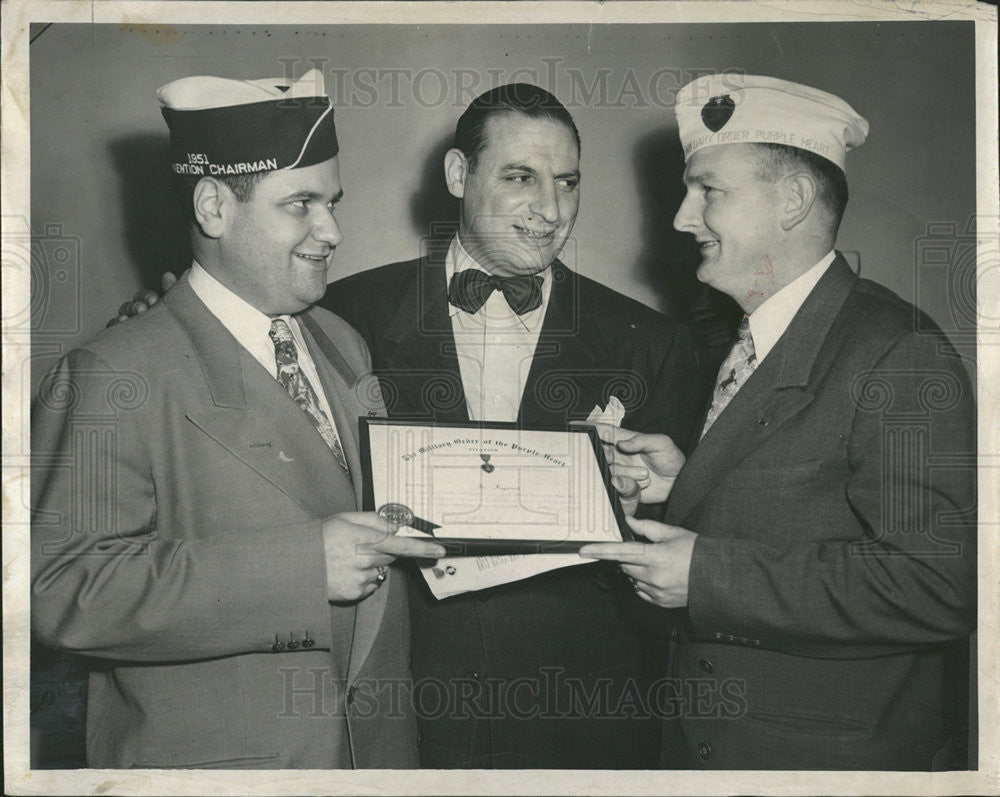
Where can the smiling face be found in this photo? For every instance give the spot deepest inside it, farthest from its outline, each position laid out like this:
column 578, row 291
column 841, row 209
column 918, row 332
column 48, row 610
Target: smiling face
column 734, row 217
column 276, row 248
column 520, row 202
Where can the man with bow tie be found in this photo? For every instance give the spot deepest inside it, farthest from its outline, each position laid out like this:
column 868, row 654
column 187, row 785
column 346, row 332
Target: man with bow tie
column 491, row 326
column 819, row 544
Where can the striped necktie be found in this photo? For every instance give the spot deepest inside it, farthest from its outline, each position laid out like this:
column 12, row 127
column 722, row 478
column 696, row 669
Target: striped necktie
column 736, row 369
column 298, row 387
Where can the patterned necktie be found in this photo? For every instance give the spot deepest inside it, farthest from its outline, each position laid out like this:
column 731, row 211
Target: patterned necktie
column 736, row 369
column 469, row 290
column 298, row 387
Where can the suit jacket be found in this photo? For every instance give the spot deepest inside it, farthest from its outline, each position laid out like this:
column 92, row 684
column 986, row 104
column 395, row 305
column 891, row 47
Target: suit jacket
column 834, row 578
column 542, row 672
column 177, row 539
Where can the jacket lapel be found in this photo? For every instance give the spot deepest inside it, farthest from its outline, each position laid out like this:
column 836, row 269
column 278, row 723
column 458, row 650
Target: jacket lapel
column 776, row 392
column 345, row 394
column 566, row 352
column 249, row 414
column 421, row 356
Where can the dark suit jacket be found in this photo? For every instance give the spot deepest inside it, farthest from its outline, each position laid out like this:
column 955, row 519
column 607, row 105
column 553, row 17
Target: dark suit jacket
column 542, row 672
column 178, row 499
column 836, row 563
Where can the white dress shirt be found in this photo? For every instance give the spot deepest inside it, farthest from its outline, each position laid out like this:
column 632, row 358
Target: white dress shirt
column 770, row 320
column 252, row 328
column 495, row 345
column 495, row 348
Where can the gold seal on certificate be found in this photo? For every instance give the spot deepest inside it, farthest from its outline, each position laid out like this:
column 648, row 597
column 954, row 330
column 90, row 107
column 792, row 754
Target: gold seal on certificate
column 491, row 488
column 397, row 514
column 400, row 515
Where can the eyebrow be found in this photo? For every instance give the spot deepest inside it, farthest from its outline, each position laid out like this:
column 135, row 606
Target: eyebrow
column 520, row 167
column 313, row 195
column 700, row 177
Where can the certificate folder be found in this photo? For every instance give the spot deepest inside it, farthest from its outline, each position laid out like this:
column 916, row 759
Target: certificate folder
column 491, row 488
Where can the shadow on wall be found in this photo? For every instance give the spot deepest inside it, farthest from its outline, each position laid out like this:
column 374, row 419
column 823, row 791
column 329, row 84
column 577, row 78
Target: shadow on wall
column 669, row 259
column 156, row 238
column 434, row 211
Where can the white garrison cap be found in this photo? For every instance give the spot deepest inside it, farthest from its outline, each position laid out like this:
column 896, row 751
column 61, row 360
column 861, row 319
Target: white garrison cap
column 223, row 127
column 200, row 92
column 749, row 109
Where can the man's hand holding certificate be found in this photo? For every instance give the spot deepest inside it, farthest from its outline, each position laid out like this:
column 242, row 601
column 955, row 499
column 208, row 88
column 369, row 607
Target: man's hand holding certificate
column 650, row 461
column 658, row 563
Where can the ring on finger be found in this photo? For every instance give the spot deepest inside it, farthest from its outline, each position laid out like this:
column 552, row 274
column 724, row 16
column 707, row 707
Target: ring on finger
column 383, row 571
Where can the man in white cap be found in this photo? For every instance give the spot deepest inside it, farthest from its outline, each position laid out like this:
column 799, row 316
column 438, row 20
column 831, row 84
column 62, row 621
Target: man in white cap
column 821, row 566
column 198, row 475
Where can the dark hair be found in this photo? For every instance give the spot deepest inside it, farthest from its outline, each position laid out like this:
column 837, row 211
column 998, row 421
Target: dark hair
column 242, row 186
column 522, row 98
column 776, row 160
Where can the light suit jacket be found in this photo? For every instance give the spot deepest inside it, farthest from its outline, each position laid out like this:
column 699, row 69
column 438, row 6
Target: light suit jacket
column 178, row 499
column 833, row 584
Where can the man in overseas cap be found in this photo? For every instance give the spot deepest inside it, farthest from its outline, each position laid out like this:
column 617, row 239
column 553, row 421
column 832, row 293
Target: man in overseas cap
column 815, row 566
column 196, row 529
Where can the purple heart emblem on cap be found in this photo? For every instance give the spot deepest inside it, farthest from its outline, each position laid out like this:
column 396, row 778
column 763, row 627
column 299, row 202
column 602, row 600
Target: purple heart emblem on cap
column 717, row 111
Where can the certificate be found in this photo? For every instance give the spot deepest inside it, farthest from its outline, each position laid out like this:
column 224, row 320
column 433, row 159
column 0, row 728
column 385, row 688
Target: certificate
column 491, row 488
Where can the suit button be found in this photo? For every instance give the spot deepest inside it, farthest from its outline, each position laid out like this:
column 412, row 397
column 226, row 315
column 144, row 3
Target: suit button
column 473, row 675
column 704, row 750
column 718, row 635
column 307, row 642
column 278, row 645
column 673, row 632
column 706, row 666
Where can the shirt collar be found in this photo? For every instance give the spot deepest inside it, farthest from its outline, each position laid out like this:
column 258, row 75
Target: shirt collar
column 458, row 259
column 242, row 319
column 770, row 320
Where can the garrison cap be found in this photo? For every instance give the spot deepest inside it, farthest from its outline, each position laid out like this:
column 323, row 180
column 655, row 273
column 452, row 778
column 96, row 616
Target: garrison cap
column 749, row 109
column 221, row 127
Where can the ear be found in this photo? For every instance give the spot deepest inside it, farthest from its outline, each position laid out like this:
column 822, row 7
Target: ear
column 800, row 195
column 456, row 169
column 209, row 199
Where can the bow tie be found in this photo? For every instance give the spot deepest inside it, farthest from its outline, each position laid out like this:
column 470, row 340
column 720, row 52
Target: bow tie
column 470, row 289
